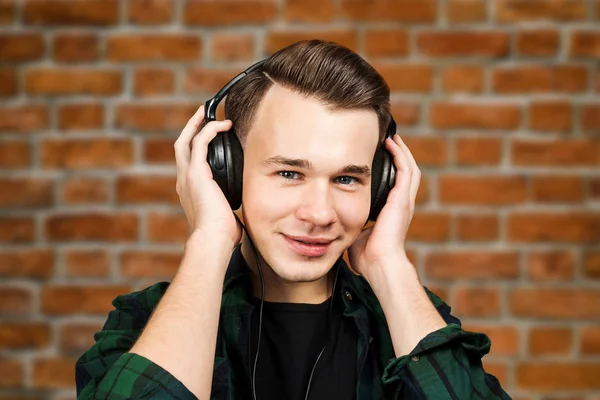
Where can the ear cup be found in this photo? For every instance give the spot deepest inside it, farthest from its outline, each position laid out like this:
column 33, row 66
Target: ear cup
column 226, row 160
column 383, row 174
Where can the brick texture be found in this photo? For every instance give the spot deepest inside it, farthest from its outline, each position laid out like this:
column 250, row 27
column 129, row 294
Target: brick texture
column 498, row 101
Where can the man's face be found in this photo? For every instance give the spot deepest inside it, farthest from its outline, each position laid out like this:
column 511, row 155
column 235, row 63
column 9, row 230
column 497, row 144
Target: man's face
column 306, row 178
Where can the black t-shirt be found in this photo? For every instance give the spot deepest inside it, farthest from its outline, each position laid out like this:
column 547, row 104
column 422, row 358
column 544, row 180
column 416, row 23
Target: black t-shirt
column 293, row 335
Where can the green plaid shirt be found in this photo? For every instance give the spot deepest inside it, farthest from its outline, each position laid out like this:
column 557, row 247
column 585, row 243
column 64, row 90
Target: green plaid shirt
column 446, row 364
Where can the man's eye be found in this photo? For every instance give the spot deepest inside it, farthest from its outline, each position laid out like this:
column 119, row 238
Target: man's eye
column 288, row 174
column 347, row 180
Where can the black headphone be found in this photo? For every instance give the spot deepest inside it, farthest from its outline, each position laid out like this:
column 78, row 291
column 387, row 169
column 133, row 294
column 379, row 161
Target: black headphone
column 226, row 158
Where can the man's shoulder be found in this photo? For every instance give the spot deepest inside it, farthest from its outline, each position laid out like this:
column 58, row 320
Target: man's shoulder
column 144, row 300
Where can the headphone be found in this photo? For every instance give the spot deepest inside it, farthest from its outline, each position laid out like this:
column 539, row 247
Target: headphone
column 226, row 158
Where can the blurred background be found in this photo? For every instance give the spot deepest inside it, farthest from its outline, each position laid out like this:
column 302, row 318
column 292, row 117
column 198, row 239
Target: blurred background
column 497, row 100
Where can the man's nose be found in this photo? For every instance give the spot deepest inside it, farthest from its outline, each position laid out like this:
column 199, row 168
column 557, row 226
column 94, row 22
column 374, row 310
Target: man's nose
column 318, row 206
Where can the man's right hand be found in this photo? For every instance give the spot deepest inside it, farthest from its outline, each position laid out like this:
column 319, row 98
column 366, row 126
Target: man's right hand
column 203, row 202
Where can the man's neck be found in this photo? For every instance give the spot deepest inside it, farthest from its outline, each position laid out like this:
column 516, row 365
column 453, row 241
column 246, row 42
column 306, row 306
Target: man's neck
column 278, row 290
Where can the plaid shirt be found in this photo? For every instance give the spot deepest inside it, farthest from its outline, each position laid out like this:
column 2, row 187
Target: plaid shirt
column 446, row 364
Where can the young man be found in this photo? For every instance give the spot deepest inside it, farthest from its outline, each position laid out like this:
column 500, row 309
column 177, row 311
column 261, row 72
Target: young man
column 282, row 316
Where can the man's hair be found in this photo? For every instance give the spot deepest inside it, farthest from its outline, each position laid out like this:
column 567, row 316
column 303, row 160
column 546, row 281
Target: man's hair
column 326, row 71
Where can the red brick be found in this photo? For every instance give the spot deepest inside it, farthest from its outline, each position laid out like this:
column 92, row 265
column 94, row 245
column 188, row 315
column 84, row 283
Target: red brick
column 154, row 117
column 159, row 151
column 477, row 227
column 153, row 81
column 23, row 118
column 77, row 299
column 140, row 189
column 207, row 80
column 569, row 304
column 428, row 150
column 21, row 46
column 429, row 227
column 551, row 116
column 594, row 187
column 475, row 116
column 590, row 340
column 547, row 375
column 477, row 302
column 9, row 84
column 153, row 264
column 505, row 339
column 87, row 153
column 15, row 154
column 154, row 47
column 590, row 118
column 92, row 226
column 462, row 78
column 15, row 301
column 557, row 188
column 478, row 151
column 229, row 12
column 71, row 12
column 488, row 190
column 24, row 335
column 465, row 11
column 276, row 40
column 17, row 229
column 76, row 47
column 567, row 152
column 151, row 12
column 405, row 113
column 77, row 337
column 567, row 227
column 539, row 79
column 554, row 265
column 30, row 263
column 232, row 47
column 309, row 10
column 85, row 191
column 538, row 42
column 465, row 43
column 53, row 373
column 526, row 10
column 80, row 116
column 51, row 81
column 550, row 341
column 499, row 370
column 386, row 42
column 591, row 264
column 25, row 192
column 167, row 228
column 7, row 11
column 585, row 44
column 472, row 265
column 12, row 373
column 406, row 77
column 400, row 11
column 87, row 263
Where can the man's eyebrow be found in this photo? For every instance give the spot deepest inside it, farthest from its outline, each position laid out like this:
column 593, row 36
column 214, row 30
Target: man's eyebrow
column 362, row 170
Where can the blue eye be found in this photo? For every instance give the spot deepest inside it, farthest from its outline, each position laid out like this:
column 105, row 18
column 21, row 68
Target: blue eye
column 288, row 174
column 347, row 180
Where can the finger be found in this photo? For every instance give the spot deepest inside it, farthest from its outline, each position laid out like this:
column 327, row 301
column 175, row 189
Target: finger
column 182, row 144
column 200, row 143
column 403, row 173
column 415, row 171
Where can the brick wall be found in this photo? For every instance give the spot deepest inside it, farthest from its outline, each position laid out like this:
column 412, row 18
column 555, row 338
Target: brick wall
column 498, row 100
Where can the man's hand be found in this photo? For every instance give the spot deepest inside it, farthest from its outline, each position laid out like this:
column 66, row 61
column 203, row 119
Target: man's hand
column 385, row 240
column 203, row 202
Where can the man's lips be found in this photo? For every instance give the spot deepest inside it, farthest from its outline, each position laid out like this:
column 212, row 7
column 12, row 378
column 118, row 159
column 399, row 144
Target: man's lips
column 307, row 246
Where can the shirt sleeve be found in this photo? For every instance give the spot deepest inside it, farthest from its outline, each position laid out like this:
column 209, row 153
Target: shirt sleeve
column 446, row 364
column 108, row 371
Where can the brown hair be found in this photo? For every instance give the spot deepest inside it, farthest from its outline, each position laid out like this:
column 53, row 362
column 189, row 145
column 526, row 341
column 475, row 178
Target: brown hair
column 329, row 72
